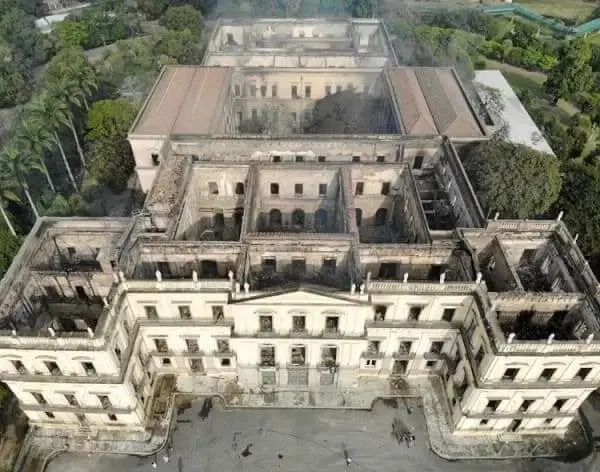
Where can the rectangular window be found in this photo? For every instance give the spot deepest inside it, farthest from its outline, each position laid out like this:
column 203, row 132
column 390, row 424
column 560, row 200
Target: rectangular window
column 448, row 314
column 492, row 406
column 49, row 414
column 155, row 159
column 151, row 312
column 263, row 91
column 184, row 312
column 53, row 368
column 322, row 190
column 525, row 405
column 405, row 347
column 338, row 88
column 328, row 90
column 161, row 345
column 332, row 324
column 559, row 403
column 436, row 347
column 380, row 159
column 238, row 90
column 547, row 374
column 510, row 374
column 307, row 91
column 267, row 356
column 89, row 368
column 217, row 313
column 299, row 158
column 276, row 158
column 269, row 266
column 264, row 115
column 71, row 399
column 253, row 90
column 430, row 364
column 385, row 188
column 298, row 189
column 582, row 374
column 213, row 188
column 480, row 355
column 112, row 417
column 298, row 324
column 320, row 158
column 274, row 189
column 192, row 345
column 274, row 91
column 39, row 398
column 359, row 189
column 294, row 91
column 414, row 313
column 105, row 401
column 254, row 114
column 19, row 367
column 355, row 158
column 265, row 324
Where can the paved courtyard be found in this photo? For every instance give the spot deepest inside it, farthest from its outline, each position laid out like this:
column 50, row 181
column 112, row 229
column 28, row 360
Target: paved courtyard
column 212, row 440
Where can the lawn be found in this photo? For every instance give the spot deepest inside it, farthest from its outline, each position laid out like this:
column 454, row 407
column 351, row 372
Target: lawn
column 577, row 10
column 522, row 79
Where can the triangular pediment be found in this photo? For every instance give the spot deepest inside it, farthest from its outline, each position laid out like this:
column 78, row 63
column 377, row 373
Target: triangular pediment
column 301, row 296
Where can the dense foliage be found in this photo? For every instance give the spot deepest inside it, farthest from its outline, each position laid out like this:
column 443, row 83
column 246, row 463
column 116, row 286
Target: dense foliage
column 111, row 159
column 579, row 200
column 512, row 179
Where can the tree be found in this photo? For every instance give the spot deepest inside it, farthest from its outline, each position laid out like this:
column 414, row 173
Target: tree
column 111, row 159
column 70, row 205
column 71, row 33
column 18, row 28
column 182, row 46
column 363, row 8
column 182, row 17
column 9, row 246
column 515, row 180
column 579, row 200
column 14, row 89
column 64, row 90
column 572, row 72
column 8, row 194
column 20, row 165
column 72, row 63
column 48, row 111
column 35, row 138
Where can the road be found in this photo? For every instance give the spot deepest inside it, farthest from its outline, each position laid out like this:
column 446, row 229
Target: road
column 299, row 441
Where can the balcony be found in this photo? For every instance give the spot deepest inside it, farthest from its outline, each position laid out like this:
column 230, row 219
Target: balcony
column 372, row 355
column 403, row 355
column 331, row 333
column 298, row 333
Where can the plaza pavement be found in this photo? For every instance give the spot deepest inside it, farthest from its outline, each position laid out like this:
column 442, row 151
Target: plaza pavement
column 296, row 440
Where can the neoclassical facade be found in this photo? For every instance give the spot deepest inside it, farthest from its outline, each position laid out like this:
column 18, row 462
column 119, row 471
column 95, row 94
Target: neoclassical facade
column 280, row 263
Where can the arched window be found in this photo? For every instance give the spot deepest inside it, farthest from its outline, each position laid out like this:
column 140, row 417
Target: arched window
column 380, row 217
column 321, row 218
column 239, row 188
column 274, row 218
column 358, row 216
column 298, row 217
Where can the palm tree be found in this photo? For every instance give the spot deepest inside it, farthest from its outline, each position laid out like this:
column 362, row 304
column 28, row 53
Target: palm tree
column 20, row 165
column 8, row 193
column 50, row 112
column 65, row 90
column 85, row 78
column 35, row 137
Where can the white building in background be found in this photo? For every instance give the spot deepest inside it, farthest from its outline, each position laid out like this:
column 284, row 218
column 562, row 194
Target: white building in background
column 288, row 262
